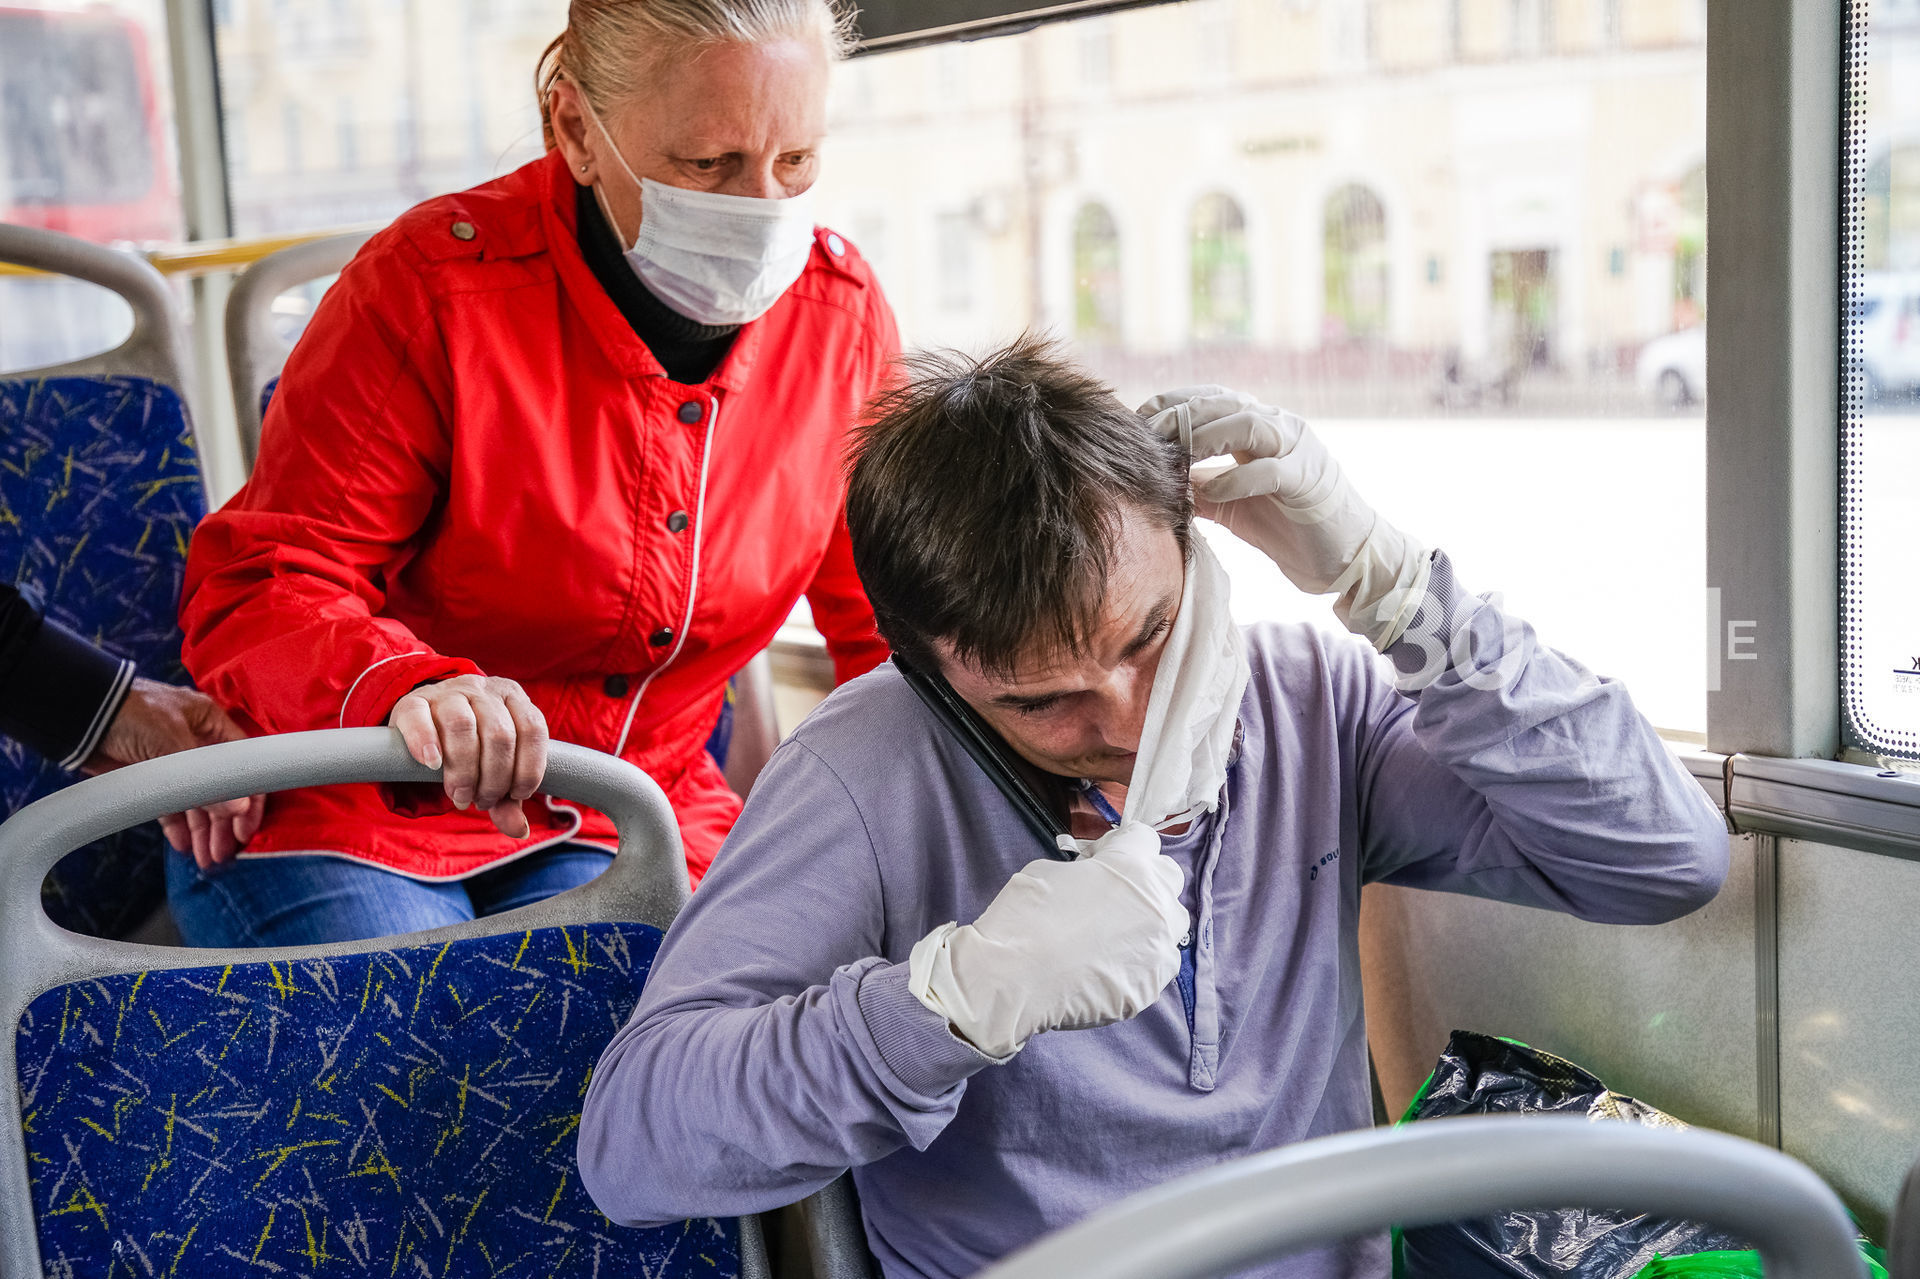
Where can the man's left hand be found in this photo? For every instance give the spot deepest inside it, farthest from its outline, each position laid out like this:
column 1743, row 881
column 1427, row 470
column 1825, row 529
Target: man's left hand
column 1288, row 496
column 160, row 719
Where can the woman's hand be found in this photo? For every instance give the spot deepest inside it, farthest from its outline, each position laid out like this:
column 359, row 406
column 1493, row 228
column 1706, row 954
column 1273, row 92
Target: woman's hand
column 486, row 737
column 158, row 719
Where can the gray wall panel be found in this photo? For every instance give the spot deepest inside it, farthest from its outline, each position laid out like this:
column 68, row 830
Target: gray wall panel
column 1666, row 1014
column 1849, row 1037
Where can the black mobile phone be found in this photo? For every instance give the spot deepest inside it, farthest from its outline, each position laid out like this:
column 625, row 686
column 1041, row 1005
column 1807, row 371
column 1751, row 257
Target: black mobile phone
column 995, row 758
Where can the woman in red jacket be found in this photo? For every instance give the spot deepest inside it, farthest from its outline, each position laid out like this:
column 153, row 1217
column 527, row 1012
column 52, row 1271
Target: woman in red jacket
column 557, row 455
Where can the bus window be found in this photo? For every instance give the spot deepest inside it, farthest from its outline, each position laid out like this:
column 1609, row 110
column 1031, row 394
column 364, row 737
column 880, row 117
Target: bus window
column 82, row 141
column 1880, row 446
column 1467, row 243
column 83, row 150
column 338, row 114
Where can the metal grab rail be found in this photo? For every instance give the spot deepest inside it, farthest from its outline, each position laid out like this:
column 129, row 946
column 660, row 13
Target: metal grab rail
column 1216, row 1222
column 210, row 257
column 649, row 875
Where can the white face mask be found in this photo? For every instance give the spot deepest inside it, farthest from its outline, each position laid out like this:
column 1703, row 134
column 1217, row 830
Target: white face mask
column 716, row 259
column 1193, row 707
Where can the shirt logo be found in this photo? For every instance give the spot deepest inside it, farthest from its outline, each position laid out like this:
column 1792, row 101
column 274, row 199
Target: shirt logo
column 1313, row 871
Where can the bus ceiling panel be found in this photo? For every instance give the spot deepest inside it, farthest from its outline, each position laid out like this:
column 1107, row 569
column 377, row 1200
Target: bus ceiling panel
column 898, row 24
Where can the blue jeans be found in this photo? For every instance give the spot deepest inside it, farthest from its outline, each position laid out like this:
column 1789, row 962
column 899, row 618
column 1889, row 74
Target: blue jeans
column 299, row 901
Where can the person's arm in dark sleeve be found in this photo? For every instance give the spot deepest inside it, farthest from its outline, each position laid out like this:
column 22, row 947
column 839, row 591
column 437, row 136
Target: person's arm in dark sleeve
column 58, row 693
column 1512, row 772
column 772, row 1048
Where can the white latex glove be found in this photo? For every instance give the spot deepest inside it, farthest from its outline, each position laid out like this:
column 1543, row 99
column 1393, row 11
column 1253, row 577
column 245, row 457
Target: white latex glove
column 1064, row 946
column 1290, row 498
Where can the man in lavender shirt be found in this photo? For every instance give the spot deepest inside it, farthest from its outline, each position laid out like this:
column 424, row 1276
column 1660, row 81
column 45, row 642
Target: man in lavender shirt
column 815, row 1010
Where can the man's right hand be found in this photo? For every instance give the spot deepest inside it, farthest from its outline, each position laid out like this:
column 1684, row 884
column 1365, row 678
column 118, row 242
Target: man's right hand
column 1064, row 946
column 486, row 737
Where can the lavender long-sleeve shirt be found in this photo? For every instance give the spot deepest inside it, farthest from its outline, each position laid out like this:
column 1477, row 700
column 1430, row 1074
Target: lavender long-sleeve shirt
column 776, row 1043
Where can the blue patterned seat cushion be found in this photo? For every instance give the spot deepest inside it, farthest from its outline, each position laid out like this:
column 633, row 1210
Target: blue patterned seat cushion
column 99, row 491
column 406, row 1112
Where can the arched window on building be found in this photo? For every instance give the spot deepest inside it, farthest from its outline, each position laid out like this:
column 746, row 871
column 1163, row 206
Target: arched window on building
column 1096, row 275
column 1690, row 249
column 1893, row 211
column 1355, row 239
column 1222, row 280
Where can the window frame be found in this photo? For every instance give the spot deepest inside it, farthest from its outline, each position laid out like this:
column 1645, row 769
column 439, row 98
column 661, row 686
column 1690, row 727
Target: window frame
column 1775, row 757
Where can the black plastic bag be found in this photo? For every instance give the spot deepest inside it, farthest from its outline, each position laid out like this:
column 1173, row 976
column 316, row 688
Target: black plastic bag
column 1483, row 1075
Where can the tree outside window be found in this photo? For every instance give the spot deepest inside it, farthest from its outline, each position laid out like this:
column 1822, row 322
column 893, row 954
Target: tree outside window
column 1096, row 275
column 1690, row 250
column 1893, row 211
column 1355, row 239
column 1222, row 278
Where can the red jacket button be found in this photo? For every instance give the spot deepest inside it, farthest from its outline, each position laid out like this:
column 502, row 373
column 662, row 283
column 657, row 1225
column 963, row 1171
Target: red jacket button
column 691, row 411
column 662, row 637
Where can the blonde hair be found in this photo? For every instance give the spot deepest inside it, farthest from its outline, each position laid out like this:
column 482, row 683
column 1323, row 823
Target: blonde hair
column 609, row 45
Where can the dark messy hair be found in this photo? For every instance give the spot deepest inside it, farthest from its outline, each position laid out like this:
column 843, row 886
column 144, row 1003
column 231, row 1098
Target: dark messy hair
column 984, row 497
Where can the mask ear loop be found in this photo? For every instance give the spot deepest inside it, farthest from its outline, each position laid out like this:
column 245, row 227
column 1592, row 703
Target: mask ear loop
column 599, row 196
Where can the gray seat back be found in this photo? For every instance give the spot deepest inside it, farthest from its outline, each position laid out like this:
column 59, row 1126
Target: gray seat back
column 98, row 455
column 157, row 347
column 1250, row 1210
column 255, row 353
column 645, row 885
column 835, row 1237
column 1903, row 1232
column 756, row 724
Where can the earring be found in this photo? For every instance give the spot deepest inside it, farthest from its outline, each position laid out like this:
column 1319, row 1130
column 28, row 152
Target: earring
column 583, row 168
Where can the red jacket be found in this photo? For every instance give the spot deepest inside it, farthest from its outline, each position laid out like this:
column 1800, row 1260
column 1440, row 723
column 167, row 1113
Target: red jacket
column 472, row 464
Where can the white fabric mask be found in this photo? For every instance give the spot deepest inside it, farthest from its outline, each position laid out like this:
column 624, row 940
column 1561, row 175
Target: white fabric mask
column 1194, row 705
column 716, row 259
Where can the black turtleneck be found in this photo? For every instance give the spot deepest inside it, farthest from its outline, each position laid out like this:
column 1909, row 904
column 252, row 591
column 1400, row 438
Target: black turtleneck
column 688, row 350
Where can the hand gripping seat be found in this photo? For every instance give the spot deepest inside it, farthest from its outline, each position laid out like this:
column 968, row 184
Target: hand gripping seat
column 1264, row 1206
column 405, row 1106
column 100, row 487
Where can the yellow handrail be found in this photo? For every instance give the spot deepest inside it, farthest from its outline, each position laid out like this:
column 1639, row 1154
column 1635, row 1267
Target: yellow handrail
column 207, row 257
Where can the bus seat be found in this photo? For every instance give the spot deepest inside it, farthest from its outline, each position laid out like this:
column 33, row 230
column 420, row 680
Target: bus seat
column 835, row 1238
column 1903, row 1230
column 255, row 351
column 100, row 487
column 398, row 1104
column 754, row 729
column 1264, row 1206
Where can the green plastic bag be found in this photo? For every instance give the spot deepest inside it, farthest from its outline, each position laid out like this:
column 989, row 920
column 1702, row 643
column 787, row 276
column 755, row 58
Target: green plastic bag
column 1740, row 1265
column 1484, row 1074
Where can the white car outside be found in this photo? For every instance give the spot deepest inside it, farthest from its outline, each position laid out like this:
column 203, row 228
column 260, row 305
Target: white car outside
column 1673, row 369
column 1890, row 333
